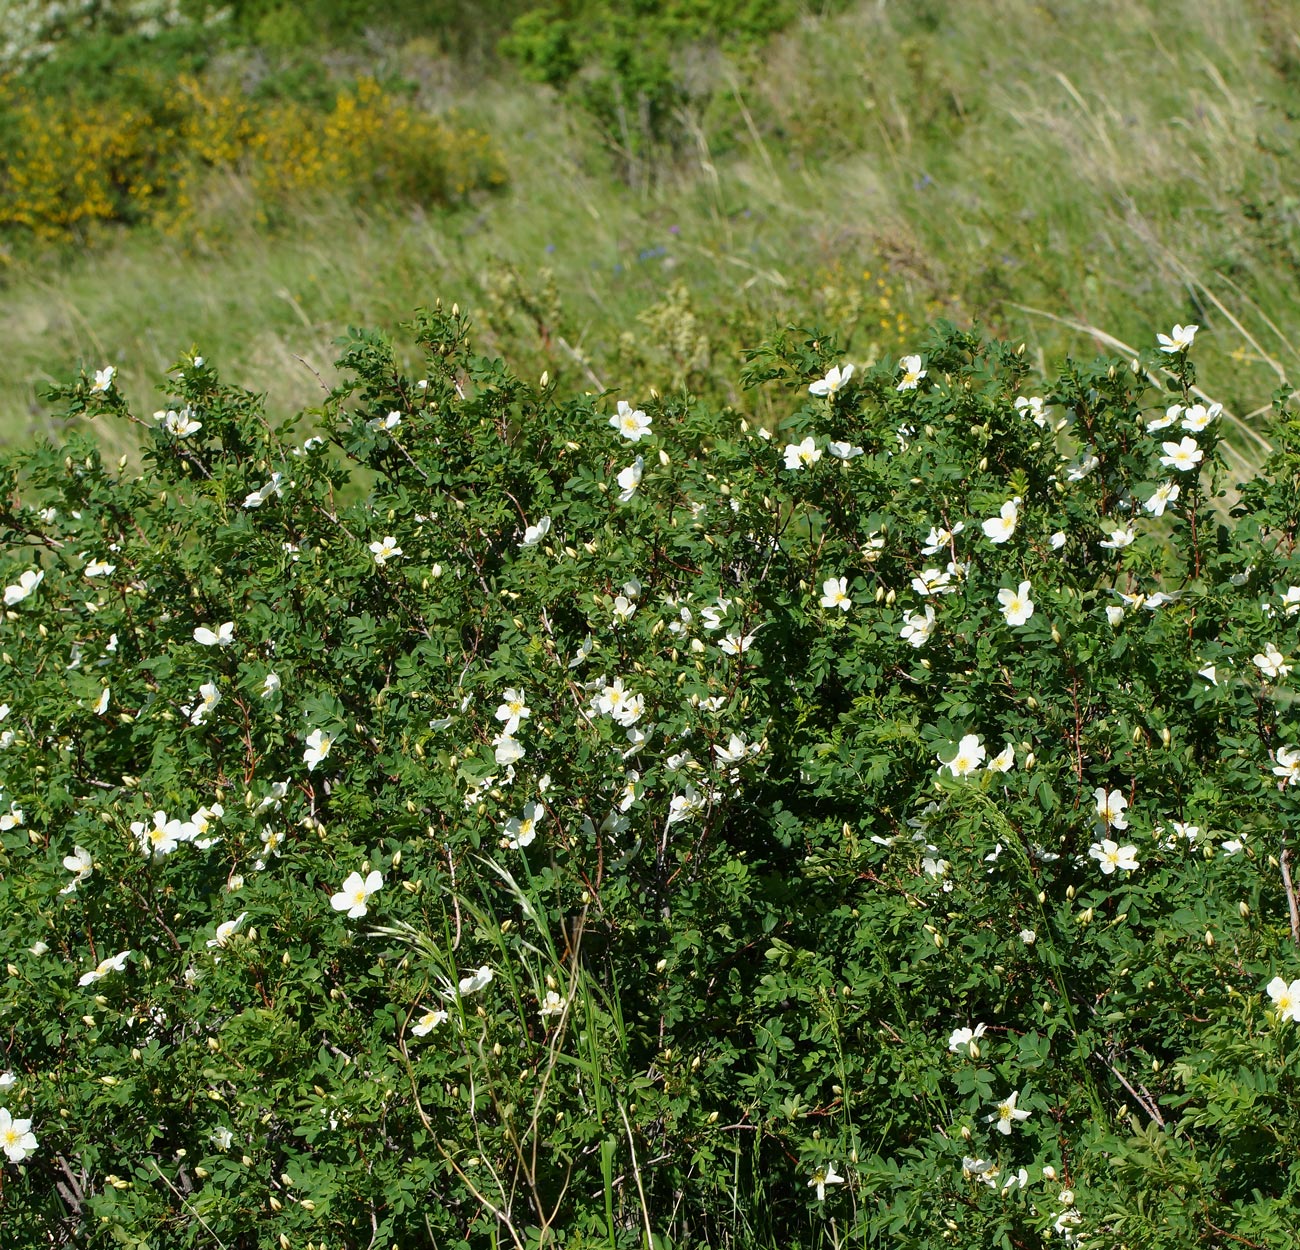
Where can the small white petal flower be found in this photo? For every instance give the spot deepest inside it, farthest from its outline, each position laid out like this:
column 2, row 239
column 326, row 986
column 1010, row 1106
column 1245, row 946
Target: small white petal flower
column 1110, row 808
column 270, row 684
column 967, row 1040
column 1000, row 528
column 1286, row 998
column 834, row 381
column 835, row 594
column 319, row 745
column 27, row 582
column 1004, row 761
column 970, row 755
column 823, row 1177
column 844, row 451
column 223, row 636
column 800, row 455
column 631, row 423
column 1017, row 606
column 1111, row 856
column 103, row 379
column 385, row 550
column 1163, row 496
column 630, row 478
column 352, row 898
column 226, row 930
column 918, row 627
column 99, row 568
column 16, row 1137
column 81, row 865
column 427, row 1022
column 1007, row 1114
column 1179, row 339
column 1183, row 456
column 912, row 373
column 1271, row 662
column 114, row 963
column 533, row 534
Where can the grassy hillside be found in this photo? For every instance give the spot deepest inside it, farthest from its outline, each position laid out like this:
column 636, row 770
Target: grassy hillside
column 1060, row 174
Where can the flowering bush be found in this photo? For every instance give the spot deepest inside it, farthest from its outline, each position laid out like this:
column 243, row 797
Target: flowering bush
column 467, row 814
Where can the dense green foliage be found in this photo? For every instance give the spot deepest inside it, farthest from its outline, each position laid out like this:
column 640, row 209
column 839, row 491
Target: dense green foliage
column 710, row 782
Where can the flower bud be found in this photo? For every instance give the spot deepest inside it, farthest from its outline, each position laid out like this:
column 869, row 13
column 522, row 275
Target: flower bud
column 544, row 379
column 1085, row 916
column 1209, row 938
column 1244, row 909
column 1165, row 736
column 890, row 597
column 1069, row 892
column 1049, row 1173
column 1067, row 1197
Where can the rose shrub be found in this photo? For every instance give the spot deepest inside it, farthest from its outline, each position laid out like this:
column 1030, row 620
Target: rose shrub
column 467, row 815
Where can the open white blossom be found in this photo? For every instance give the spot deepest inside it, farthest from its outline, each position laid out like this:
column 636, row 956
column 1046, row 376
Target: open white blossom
column 1198, row 416
column 533, row 534
column 226, row 930
column 1017, row 606
column 630, row 478
column 1110, row 856
column 823, row 1177
column 209, row 698
column 834, row 381
column 26, row 583
column 99, row 568
column 1161, row 498
column 970, row 755
column 631, row 423
column 222, row 636
column 967, row 1040
column 427, row 1022
column 81, row 864
column 1007, row 1114
column 1179, row 339
column 256, row 498
column 940, row 539
column 835, row 594
column 918, row 626
column 1000, row 528
column 513, row 709
column 16, row 1137
column 1271, row 662
column 319, row 745
column 521, row 830
column 1183, row 456
column 385, row 550
column 1286, row 998
column 114, row 963
column 1287, row 765
column 799, row 455
column 103, row 380
column 912, row 373
column 356, row 891
column 1110, row 808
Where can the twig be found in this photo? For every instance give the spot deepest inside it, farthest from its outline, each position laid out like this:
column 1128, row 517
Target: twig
column 1145, row 1103
column 1290, row 895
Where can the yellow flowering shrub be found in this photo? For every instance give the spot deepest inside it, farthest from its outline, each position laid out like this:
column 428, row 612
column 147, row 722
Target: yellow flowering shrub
column 66, row 164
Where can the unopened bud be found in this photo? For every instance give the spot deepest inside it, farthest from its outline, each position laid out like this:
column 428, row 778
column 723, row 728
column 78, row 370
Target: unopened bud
column 1165, row 736
column 544, row 379
column 1244, row 909
column 1209, row 938
column 1056, row 634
